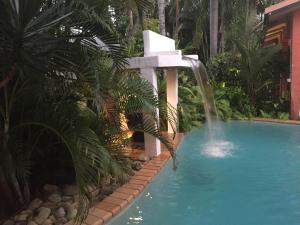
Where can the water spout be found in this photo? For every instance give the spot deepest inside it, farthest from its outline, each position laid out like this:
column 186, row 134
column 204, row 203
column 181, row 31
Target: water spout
column 205, row 91
column 215, row 146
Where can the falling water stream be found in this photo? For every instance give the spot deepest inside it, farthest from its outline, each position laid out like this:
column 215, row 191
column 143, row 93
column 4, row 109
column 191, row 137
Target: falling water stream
column 215, row 146
column 205, row 91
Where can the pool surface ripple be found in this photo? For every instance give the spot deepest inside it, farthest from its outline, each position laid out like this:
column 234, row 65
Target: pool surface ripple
column 249, row 175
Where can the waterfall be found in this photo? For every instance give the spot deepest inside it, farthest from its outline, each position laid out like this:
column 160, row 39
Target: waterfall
column 206, row 92
column 215, row 146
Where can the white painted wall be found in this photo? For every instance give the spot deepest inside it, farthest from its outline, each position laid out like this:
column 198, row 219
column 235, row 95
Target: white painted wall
column 154, row 42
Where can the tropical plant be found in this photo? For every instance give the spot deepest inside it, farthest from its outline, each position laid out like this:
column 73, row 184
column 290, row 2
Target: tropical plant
column 224, row 69
column 190, row 106
column 232, row 103
column 57, row 62
column 42, row 44
column 254, row 58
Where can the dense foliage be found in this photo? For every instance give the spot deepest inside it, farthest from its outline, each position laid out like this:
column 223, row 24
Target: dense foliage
column 65, row 97
column 245, row 74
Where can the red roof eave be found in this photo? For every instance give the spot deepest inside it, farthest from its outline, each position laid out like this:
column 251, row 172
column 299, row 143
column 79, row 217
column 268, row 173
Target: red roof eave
column 281, row 6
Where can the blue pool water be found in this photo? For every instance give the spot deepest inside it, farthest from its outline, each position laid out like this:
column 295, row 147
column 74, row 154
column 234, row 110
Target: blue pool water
column 249, row 176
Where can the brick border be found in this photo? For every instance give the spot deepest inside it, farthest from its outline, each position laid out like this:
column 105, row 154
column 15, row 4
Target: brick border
column 291, row 122
column 113, row 204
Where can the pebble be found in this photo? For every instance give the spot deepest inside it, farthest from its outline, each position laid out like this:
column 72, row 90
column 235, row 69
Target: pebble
column 27, row 212
column 32, row 223
column 107, row 190
column 67, row 198
column 143, row 158
column 48, row 222
column 50, row 205
column 70, row 190
column 60, row 213
column 36, row 203
column 55, row 198
column 50, row 189
column 21, row 223
column 71, row 211
column 61, row 221
column 44, row 213
column 137, row 165
column 52, row 218
column 21, row 217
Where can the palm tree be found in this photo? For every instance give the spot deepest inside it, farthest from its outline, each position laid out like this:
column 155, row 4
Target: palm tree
column 161, row 16
column 52, row 97
column 214, row 26
column 248, row 39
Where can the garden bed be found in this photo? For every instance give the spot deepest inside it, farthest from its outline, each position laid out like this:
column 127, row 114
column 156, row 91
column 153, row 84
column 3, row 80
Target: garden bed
column 58, row 204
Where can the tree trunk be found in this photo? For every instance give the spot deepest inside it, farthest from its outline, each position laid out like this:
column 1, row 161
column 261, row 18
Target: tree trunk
column 222, row 28
column 130, row 15
column 214, row 16
column 177, row 21
column 7, row 163
column 161, row 16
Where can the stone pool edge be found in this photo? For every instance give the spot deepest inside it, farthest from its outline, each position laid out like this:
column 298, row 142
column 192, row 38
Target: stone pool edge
column 292, row 122
column 112, row 205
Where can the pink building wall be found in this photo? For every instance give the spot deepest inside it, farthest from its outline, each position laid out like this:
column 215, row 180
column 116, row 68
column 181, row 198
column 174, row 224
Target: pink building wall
column 295, row 66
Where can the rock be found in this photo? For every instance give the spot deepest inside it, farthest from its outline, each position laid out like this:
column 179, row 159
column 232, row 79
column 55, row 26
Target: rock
column 67, row 198
column 71, row 211
column 9, row 222
column 61, row 221
column 44, row 213
column 113, row 181
column 52, row 218
column 106, row 180
column 55, row 198
column 32, row 223
column 101, row 196
column 58, row 223
column 48, row 222
column 36, row 203
column 50, row 205
column 27, row 212
column 107, row 190
column 137, row 165
column 21, row 223
column 21, row 217
column 60, row 213
column 70, row 190
column 94, row 191
column 75, row 204
column 76, row 198
column 50, row 189
column 143, row 158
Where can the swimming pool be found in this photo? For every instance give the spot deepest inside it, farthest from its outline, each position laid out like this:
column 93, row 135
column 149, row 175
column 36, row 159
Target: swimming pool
column 249, row 176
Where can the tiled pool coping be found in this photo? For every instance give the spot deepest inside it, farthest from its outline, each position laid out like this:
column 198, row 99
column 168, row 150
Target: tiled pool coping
column 112, row 205
column 295, row 122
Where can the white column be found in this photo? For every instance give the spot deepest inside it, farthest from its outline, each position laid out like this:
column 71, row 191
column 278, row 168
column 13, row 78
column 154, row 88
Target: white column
column 152, row 144
column 172, row 93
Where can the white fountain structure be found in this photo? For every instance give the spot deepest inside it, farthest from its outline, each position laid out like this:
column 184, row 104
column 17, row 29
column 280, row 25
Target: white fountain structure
column 160, row 52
